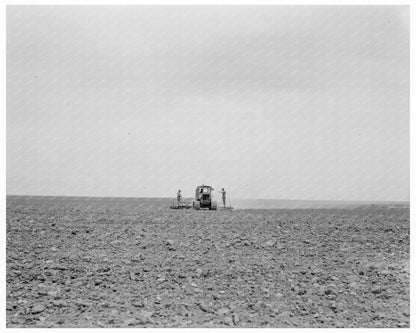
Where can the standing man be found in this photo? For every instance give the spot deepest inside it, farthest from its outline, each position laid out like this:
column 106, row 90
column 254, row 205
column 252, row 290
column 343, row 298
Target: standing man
column 179, row 197
column 223, row 196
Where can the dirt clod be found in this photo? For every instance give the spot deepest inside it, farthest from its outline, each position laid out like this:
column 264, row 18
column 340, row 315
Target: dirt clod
column 38, row 308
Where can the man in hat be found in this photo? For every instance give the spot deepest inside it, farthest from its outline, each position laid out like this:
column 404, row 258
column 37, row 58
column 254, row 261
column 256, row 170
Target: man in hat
column 179, row 197
column 223, row 193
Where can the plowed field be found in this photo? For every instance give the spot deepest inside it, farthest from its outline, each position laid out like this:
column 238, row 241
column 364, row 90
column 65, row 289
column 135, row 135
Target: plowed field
column 79, row 262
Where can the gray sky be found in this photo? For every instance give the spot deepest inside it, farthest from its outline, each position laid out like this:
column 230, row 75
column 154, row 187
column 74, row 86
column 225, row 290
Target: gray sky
column 280, row 102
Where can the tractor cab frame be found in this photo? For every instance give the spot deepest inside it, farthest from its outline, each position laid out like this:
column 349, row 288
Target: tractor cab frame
column 203, row 198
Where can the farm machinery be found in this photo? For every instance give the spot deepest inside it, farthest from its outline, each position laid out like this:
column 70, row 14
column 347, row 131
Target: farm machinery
column 181, row 205
column 203, row 198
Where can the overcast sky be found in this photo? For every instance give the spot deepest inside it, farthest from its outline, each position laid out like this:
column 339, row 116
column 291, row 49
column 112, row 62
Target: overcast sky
column 282, row 102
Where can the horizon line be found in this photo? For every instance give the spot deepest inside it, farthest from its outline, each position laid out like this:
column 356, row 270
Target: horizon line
column 172, row 198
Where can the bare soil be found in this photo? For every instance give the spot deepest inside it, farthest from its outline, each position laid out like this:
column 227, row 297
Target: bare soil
column 79, row 262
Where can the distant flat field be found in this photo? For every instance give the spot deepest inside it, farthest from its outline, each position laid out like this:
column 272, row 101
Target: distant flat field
column 237, row 203
column 125, row 262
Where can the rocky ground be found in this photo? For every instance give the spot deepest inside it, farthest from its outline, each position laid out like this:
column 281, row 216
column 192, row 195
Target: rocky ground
column 136, row 263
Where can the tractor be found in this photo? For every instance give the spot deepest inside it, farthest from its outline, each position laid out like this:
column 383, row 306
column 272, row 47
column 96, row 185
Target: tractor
column 203, row 198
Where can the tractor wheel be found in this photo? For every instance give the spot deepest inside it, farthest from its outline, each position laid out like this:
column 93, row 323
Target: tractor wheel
column 197, row 205
column 213, row 205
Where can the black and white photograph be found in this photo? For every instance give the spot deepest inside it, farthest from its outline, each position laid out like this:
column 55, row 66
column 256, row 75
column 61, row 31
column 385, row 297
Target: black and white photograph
column 207, row 166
